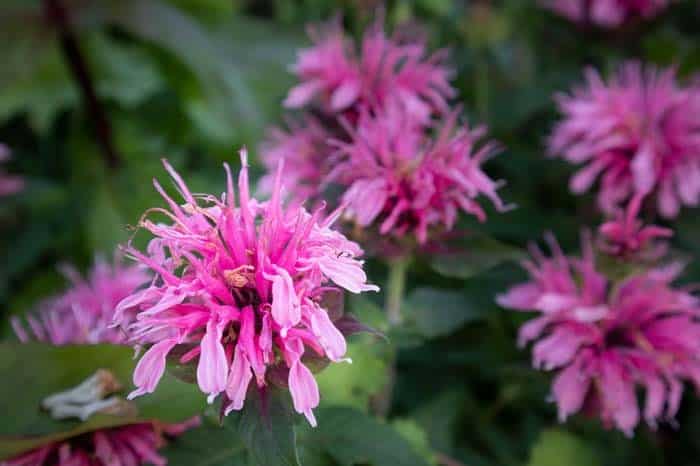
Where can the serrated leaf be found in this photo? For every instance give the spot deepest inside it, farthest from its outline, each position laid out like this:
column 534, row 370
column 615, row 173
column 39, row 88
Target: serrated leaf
column 352, row 438
column 557, row 447
column 266, row 427
column 42, row 370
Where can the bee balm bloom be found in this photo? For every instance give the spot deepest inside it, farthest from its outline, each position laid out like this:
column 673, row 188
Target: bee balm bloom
column 606, row 13
column 607, row 338
column 134, row 444
column 638, row 134
column 243, row 282
column 82, row 315
column 407, row 182
column 384, row 71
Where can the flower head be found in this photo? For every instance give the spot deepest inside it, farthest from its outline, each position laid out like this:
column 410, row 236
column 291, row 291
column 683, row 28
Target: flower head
column 627, row 237
column 134, row 444
column 384, row 70
column 8, row 184
column 406, row 182
column 639, row 134
column 83, row 314
column 606, row 338
column 606, row 13
column 243, row 282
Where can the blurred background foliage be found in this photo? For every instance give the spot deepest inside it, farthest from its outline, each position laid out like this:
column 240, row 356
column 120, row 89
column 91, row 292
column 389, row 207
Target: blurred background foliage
column 193, row 80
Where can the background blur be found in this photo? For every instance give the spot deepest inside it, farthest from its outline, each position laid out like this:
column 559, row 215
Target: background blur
column 193, row 80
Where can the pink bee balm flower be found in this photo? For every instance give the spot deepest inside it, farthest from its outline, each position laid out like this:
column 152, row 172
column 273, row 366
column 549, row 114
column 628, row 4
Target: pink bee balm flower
column 83, row 314
column 406, row 182
column 626, row 236
column 605, row 339
column 243, row 282
column 307, row 155
column 638, row 134
column 383, row 71
column 606, row 13
column 133, row 444
column 8, row 184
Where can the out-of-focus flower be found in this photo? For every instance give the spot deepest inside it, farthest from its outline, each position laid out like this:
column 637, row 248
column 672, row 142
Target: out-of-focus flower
column 83, row 314
column 133, row 444
column 385, row 70
column 639, row 134
column 605, row 339
column 245, row 285
column 405, row 181
column 8, row 184
column 307, row 154
column 606, row 13
column 626, row 236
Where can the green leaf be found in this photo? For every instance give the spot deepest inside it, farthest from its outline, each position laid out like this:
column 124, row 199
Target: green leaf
column 473, row 254
column 352, row 438
column 106, row 226
column 433, row 312
column 225, row 89
column 266, row 426
column 353, row 384
column 557, row 448
column 211, row 444
column 416, row 436
column 41, row 370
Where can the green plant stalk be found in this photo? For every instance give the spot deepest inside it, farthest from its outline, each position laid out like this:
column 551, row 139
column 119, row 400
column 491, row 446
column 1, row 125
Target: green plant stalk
column 396, row 287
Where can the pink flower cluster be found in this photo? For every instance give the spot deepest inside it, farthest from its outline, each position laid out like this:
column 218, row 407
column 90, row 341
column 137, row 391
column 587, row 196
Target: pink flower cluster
column 606, row 13
column 83, row 315
column 406, row 181
column 8, row 184
column 385, row 71
column 387, row 139
column 243, row 283
column 606, row 337
column 638, row 134
column 133, row 444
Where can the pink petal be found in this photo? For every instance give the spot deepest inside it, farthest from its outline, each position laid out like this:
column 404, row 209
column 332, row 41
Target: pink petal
column 212, row 369
column 238, row 380
column 304, row 390
column 150, row 368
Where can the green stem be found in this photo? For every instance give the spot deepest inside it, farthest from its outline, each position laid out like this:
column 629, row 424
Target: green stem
column 396, row 287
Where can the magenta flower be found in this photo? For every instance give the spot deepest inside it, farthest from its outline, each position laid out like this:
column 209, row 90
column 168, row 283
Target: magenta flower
column 639, row 134
column 605, row 339
column 83, row 314
column 627, row 237
column 384, row 71
column 307, row 154
column 134, row 444
column 8, row 184
column 244, row 285
column 606, row 13
column 405, row 182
